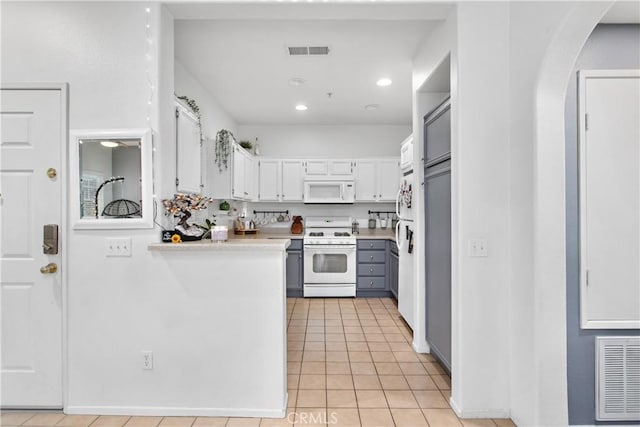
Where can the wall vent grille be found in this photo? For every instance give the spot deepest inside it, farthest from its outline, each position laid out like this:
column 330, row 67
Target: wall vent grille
column 618, row 378
column 307, row 50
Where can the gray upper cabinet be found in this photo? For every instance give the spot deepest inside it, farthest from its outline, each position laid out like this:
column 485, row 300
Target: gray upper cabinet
column 437, row 131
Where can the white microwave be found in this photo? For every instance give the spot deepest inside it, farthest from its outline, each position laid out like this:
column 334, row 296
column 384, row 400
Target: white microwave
column 329, row 191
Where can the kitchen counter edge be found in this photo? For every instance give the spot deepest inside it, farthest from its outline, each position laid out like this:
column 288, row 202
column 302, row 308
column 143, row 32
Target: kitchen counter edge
column 266, row 244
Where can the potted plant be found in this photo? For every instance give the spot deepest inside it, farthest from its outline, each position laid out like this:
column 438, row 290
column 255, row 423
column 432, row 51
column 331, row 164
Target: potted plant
column 247, row 145
column 223, row 148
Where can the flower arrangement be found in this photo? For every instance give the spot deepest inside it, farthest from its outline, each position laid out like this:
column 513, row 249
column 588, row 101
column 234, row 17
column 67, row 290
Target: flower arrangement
column 223, row 147
column 181, row 206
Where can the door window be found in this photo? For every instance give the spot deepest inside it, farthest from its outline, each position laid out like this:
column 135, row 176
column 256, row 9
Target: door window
column 330, row 263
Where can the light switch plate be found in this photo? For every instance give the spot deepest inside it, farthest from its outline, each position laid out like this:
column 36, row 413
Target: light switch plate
column 118, row 247
column 478, row 248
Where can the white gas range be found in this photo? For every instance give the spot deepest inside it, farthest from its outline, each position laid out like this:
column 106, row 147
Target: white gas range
column 329, row 258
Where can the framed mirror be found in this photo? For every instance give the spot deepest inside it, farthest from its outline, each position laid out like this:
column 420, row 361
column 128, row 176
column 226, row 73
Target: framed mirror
column 111, row 179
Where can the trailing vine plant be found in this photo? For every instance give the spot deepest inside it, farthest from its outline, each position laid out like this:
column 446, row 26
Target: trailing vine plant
column 195, row 109
column 223, row 146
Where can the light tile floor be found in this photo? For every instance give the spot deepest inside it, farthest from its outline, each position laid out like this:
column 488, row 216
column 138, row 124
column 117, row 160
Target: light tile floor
column 350, row 363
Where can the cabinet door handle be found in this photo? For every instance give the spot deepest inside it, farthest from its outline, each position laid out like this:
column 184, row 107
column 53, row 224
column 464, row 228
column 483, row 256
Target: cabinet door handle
column 371, row 270
column 370, row 245
column 371, row 257
column 380, row 196
column 371, row 283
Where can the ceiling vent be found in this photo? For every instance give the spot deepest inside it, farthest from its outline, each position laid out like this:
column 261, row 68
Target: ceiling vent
column 618, row 378
column 307, row 50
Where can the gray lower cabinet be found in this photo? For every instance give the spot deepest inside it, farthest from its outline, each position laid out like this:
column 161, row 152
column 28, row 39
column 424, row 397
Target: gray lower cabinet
column 372, row 269
column 294, row 268
column 393, row 269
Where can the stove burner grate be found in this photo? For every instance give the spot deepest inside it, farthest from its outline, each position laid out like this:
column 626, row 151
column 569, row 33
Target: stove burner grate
column 316, row 234
column 341, row 234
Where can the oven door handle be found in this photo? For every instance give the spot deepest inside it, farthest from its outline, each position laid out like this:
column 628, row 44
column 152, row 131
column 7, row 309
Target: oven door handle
column 332, row 247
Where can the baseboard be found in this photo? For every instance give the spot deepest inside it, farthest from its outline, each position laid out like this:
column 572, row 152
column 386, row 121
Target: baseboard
column 177, row 412
column 421, row 347
column 500, row 413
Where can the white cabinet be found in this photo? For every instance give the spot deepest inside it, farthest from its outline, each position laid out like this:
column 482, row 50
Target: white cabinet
column 340, row 167
column 188, row 156
column 281, row 180
column 388, row 179
column 377, row 180
column 366, row 189
column 330, row 168
column 292, row 180
column 250, row 177
column 317, row 167
column 237, row 185
column 270, row 182
column 238, row 180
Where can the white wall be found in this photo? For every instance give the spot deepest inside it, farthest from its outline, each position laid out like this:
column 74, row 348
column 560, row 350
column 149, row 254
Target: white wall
column 116, row 307
column 298, row 141
column 527, row 54
column 214, row 117
column 126, row 163
column 97, row 160
column 480, row 155
column 508, row 61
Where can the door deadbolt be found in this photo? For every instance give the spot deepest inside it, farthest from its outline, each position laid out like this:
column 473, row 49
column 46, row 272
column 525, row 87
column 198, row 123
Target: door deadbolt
column 50, row 268
column 50, row 239
column 52, row 173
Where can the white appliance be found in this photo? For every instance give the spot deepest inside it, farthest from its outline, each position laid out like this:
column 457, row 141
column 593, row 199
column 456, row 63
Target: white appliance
column 406, row 154
column 329, row 258
column 328, row 191
column 404, row 230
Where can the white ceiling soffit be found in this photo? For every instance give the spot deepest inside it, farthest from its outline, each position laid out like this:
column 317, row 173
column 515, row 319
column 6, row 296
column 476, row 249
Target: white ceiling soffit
column 244, row 64
column 623, row 12
column 388, row 10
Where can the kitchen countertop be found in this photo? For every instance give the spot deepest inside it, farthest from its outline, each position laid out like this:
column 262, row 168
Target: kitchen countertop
column 366, row 233
column 264, row 240
column 245, row 242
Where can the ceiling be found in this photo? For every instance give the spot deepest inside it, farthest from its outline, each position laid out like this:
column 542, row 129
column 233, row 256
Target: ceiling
column 245, row 65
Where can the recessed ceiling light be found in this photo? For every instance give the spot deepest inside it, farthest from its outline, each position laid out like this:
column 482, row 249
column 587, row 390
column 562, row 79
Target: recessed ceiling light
column 109, row 144
column 384, row 82
column 371, row 107
column 301, row 107
column 296, row 81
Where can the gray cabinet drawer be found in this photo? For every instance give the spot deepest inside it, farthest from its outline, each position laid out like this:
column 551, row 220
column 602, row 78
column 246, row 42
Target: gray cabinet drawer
column 372, row 244
column 371, row 269
column 372, row 257
column 296, row 245
column 365, row 283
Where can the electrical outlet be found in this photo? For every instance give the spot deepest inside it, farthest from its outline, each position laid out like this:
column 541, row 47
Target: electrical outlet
column 147, row 360
column 118, row 247
column 478, row 248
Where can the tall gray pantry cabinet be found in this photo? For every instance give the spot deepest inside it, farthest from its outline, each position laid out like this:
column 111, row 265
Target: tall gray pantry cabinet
column 437, row 196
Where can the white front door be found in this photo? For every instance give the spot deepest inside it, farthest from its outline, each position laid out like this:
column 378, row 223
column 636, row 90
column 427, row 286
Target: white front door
column 32, row 132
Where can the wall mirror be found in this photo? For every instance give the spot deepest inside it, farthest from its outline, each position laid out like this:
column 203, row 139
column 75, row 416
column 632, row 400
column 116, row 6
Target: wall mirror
column 111, row 179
